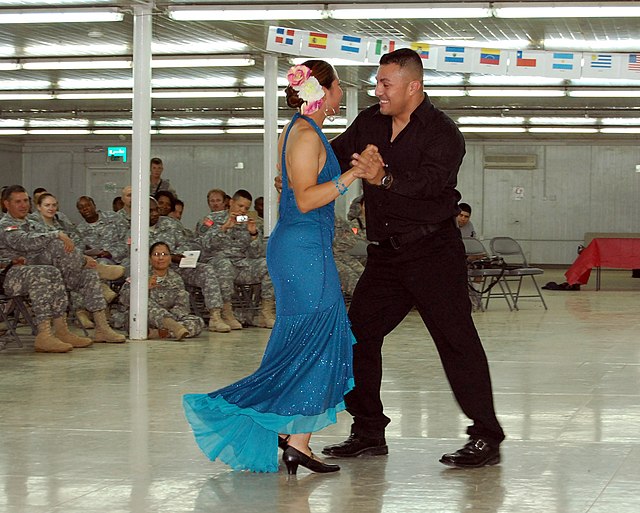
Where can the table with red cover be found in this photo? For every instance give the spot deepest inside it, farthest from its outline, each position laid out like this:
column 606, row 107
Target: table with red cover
column 611, row 253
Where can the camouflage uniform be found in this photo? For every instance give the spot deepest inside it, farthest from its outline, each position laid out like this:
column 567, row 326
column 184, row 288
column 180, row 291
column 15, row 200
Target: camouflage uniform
column 203, row 275
column 60, row 223
column 235, row 255
column 26, row 238
column 96, row 235
column 43, row 284
column 163, row 185
column 209, row 220
column 349, row 267
column 117, row 236
column 168, row 299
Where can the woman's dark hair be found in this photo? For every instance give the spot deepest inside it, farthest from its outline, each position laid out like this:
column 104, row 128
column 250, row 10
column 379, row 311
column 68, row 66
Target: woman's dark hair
column 169, row 195
column 156, row 244
column 324, row 73
column 43, row 196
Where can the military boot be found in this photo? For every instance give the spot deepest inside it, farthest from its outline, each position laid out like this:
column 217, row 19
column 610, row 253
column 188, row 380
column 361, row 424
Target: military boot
column 229, row 318
column 46, row 342
column 216, row 323
column 266, row 317
column 110, row 272
column 103, row 332
column 61, row 330
column 108, row 293
column 84, row 320
column 178, row 330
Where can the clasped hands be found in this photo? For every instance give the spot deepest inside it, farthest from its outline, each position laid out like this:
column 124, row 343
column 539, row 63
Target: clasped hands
column 369, row 165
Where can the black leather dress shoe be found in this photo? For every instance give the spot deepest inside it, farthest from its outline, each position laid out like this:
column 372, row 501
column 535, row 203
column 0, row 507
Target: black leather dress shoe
column 477, row 452
column 355, row 446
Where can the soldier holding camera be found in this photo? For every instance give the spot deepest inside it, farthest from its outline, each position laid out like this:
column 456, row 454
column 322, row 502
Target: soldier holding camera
column 235, row 246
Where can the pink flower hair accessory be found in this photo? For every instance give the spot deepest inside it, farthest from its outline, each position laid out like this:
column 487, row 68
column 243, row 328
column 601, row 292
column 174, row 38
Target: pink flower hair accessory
column 308, row 88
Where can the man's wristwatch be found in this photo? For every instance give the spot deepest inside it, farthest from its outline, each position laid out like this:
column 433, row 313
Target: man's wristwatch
column 386, row 181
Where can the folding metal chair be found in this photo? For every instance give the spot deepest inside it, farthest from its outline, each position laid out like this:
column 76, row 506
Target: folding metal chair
column 482, row 282
column 518, row 268
column 11, row 309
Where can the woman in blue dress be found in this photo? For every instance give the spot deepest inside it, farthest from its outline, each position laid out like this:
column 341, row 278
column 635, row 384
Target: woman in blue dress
column 307, row 366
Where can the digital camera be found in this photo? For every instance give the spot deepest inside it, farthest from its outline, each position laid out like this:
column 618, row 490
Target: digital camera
column 242, row 219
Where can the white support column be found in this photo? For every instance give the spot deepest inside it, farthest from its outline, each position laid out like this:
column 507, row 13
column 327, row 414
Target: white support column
column 355, row 190
column 141, row 143
column 270, row 141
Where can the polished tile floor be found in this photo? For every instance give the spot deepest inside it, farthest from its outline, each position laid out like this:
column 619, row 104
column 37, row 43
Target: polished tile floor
column 101, row 430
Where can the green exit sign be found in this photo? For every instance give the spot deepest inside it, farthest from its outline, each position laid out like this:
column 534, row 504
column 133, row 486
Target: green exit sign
column 117, row 153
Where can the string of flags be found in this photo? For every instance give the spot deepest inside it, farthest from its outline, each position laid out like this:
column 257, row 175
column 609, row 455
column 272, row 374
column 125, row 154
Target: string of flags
column 461, row 59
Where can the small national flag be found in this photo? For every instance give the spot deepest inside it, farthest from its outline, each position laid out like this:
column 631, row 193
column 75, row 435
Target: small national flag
column 490, row 56
column 521, row 60
column 351, row 44
column 634, row 62
column 454, row 54
column 318, row 40
column 601, row 61
column 384, row 46
column 422, row 49
column 284, row 36
column 562, row 61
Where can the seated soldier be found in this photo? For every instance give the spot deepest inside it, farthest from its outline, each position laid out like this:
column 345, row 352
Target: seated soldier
column 216, row 202
column 168, row 300
column 22, row 237
column 44, row 286
column 235, row 246
column 163, row 229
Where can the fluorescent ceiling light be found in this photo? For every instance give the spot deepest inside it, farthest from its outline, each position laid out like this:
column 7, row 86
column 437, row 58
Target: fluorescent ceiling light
column 258, row 94
column 59, row 122
column 445, row 92
column 210, row 47
column 562, row 130
column 204, row 62
column 75, row 50
column 554, row 11
column 13, row 132
column 561, row 121
column 94, row 14
column 259, row 82
column 190, row 131
column 27, row 96
column 24, row 84
column 493, row 129
column 606, row 93
column 335, row 61
column 254, row 12
column 176, row 122
column 244, row 130
column 490, row 120
column 619, row 45
column 604, row 82
column 87, row 83
column 60, row 131
column 12, row 123
column 620, row 121
column 9, row 66
column 115, row 131
column 195, row 94
column 620, row 130
column 106, row 95
column 78, row 64
column 374, row 11
column 245, row 121
column 517, row 92
column 437, row 81
column 187, row 83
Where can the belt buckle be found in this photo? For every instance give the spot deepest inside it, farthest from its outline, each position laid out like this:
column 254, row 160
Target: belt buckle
column 394, row 243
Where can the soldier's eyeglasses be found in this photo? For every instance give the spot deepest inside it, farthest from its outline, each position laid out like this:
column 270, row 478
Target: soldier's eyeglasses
column 160, row 254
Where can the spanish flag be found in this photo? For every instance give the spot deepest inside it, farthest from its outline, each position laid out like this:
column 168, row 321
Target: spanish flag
column 318, row 40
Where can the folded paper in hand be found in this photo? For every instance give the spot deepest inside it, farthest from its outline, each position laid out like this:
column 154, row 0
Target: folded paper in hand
column 190, row 259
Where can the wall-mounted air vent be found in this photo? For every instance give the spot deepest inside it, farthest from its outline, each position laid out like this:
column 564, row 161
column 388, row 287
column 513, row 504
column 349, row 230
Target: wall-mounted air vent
column 510, row 161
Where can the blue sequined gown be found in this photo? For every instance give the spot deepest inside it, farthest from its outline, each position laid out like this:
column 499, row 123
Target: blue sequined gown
column 307, row 366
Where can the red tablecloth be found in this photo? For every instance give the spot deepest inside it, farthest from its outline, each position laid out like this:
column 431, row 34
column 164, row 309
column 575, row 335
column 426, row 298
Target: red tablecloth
column 612, row 253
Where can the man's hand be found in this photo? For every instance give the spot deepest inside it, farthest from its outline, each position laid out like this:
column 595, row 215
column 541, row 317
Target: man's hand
column 369, row 165
column 277, row 183
column 66, row 241
column 153, row 281
column 19, row 261
column 251, row 227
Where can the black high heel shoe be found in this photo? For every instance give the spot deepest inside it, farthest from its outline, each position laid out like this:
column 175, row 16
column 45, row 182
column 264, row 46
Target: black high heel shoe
column 283, row 442
column 292, row 457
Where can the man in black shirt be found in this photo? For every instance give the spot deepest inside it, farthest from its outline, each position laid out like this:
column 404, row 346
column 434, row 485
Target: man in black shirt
column 416, row 259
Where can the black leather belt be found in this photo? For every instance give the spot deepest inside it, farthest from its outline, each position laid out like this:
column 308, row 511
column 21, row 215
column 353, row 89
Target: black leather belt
column 397, row 241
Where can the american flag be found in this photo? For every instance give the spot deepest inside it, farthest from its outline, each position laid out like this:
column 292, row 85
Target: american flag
column 634, row 62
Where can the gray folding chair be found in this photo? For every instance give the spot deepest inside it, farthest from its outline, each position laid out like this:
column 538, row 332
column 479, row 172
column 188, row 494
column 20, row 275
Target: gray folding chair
column 482, row 282
column 518, row 269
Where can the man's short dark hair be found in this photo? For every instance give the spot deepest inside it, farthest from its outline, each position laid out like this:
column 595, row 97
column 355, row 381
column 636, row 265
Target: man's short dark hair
column 169, row 195
column 241, row 193
column 156, row 160
column 179, row 202
column 88, row 198
column 38, row 190
column 8, row 191
column 405, row 58
column 465, row 207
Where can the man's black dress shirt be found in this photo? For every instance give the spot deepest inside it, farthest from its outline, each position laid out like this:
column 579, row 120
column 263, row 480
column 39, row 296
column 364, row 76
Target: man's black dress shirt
column 424, row 160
